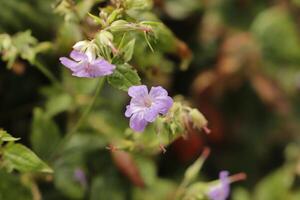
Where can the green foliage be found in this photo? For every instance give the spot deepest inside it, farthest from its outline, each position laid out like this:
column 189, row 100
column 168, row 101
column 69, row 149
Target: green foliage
column 277, row 34
column 123, row 77
column 19, row 157
column 246, row 70
column 22, row 44
column 44, row 130
column 9, row 181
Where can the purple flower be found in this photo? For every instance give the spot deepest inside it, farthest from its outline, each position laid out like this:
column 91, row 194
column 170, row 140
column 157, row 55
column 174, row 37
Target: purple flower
column 79, row 176
column 84, row 65
column 144, row 107
column 222, row 190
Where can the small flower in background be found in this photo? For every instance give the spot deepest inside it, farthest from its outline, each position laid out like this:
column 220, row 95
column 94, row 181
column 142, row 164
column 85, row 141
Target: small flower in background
column 85, row 65
column 144, row 107
column 222, row 190
column 80, row 177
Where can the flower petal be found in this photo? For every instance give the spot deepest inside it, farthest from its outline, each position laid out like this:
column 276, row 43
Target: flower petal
column 163, row 104
column 101, row 67
column 78, row 56
column 158, row 92
column 151, row 114
column 128, row 111
column 138, row 91
column 82, row 74
column 222, row 190
column 68, row 63
column 137, row 122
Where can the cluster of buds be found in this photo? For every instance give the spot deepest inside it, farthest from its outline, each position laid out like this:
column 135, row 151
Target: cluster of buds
column 182, row 119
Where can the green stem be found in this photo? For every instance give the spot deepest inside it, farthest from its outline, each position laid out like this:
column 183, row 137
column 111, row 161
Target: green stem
column 180, row 189
column 82, row 118
column 90, row 106
column 47, row 73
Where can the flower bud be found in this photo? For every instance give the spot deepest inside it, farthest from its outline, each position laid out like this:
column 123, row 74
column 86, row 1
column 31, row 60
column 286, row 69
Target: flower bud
column 197, row 118
column 104, row 38
column 88, row 47
column 81, row 45
column 120, row 25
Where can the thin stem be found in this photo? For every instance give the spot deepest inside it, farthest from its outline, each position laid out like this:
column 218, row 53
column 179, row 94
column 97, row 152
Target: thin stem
column 90, row 106
column 82, row 118
column 47, row 73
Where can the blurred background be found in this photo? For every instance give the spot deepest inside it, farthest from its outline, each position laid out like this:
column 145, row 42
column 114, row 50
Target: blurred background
column 244, row 76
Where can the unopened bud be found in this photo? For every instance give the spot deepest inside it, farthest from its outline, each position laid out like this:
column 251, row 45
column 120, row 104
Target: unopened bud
column 197, row 118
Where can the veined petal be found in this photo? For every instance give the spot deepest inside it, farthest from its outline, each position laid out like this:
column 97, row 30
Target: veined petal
column 163, row 104
column 78, row 56
column 68, row 63
column 150, row 114
column 158, row 92
column 138, row 91
column 101, row 67
column 81, row 73
column 137, row 122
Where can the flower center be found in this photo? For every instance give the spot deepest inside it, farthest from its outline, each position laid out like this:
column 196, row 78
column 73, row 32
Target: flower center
column 148, row 101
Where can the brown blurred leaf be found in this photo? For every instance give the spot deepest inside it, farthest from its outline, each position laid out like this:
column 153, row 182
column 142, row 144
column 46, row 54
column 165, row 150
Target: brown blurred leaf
column 270, row 93
column 237, row 52
column 128, row 167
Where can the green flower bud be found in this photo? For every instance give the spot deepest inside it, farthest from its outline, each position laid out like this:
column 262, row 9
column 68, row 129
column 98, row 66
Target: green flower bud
column 104, row 38
column 197, row 118
column 121, row 25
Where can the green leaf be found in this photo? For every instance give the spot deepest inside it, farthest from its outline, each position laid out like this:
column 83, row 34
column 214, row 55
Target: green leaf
column 11, row 182
column 277, row 33
column 57, row 104
column 95, row 18
column 64, row 180
column 108, row 187
column 19, row 157
column 124, row 77
column 138, row 4
column 114, row 15
column 275, row 186
column 5, row 137
column 43, row 130
column 84, row 142
column 128, row 50
column 240, row 194
column 161, row 190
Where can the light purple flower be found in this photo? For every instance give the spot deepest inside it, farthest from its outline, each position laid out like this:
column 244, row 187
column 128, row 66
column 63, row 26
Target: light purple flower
column 144, row 107
column 79, row 176
column 84, row 65
column 222, row 190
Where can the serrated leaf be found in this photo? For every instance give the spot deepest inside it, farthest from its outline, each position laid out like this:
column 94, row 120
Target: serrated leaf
column 124, row 77
column 19, row 157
